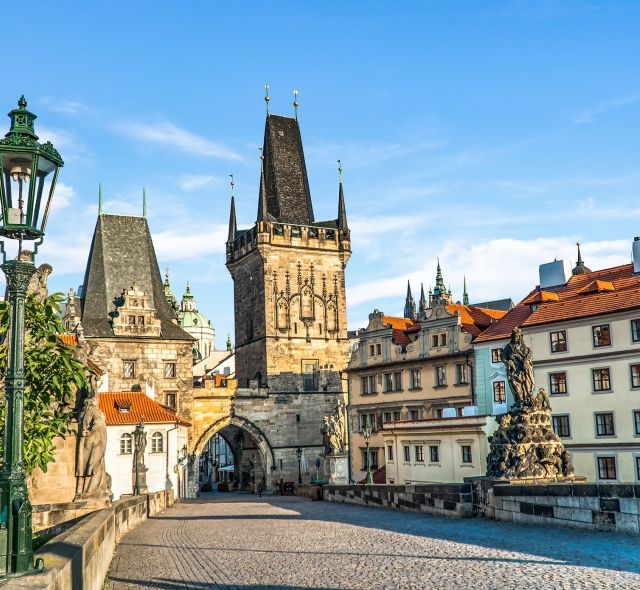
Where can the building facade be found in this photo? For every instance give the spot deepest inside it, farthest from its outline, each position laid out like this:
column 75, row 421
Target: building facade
column 412, row 370
column 584, row 334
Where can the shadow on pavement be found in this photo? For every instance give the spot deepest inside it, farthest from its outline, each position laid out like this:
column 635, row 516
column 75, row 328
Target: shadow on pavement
column 166, row 584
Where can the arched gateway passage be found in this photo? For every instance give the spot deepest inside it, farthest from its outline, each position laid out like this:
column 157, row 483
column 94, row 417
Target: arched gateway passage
column 253, row 457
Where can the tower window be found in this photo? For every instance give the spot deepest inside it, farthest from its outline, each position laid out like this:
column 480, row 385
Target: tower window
column 129, row 369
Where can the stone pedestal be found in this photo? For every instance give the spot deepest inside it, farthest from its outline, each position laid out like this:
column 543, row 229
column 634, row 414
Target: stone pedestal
column 142, row 479
column 336, row 469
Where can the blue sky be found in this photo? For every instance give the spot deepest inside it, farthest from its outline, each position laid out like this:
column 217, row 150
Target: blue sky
column 491, row 134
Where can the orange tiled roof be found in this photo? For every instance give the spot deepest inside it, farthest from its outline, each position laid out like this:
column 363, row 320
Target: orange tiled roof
column 396, row 322
column 475, row 319
column 142, row 407
column 540, row 296
column 599, row 292
column 69, row 339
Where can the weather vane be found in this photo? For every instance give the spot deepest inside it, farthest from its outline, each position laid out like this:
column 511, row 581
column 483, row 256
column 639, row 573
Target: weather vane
column 266, row 96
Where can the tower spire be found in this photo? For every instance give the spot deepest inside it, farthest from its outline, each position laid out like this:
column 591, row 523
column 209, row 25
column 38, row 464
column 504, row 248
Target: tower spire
column 296, row 104
column 422, row 309
column 232, row 214
column 266, row 97
column 262, row 195
column 144, row 202
column 99, row 198
column 342, row 210
column 409, row 305
column 440, row 292
column 580, row 268
column 465, row 295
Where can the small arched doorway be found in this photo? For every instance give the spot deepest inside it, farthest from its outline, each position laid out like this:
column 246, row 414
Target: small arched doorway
column 253, row 460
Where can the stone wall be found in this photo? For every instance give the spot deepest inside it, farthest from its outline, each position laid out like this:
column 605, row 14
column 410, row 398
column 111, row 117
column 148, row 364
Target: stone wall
column 442, row 499
column 80, row 556
column 602, row 507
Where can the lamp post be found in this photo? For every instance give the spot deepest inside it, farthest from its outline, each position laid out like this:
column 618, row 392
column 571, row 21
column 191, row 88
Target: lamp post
column 366, row 432
column 299, row 455
column 140, row 442
column 28, row 175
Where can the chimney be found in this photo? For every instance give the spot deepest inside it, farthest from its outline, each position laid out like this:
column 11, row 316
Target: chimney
column 636, row 255
column 553, row 274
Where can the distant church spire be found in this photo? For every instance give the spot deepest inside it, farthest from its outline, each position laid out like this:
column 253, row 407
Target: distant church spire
column 232, row 215
column 465, row 295
column 440, row 293
column 580, row 268
column 168, row 293
column 422, row 309
column 409, row 305
column 342, row 210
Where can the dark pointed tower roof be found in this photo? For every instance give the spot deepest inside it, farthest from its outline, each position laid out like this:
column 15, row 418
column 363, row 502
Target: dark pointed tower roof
column 440, row 288
column 168, row 293
column 580, row 268
column 409, row 305
column 232, row 220
column 422, row 309
column 465, row 295
column 342, row 210
column 288, row 199
column 122, row 255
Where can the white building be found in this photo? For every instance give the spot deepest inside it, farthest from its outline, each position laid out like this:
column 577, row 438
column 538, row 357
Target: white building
column 166, row 451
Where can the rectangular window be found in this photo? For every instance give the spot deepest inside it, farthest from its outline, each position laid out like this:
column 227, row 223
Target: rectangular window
column 389, row 453
column 443, row 339
column 367, row 418
column 434, row 341
column 434, row 454
column 638, row 468
column 374, row 458
column 635, row 375
column 407, row 453
column 607, row 468
column 414, row 414
column 462, row 373
column 386, row 417
column 141, row 320
column 171, row 400
column 372, row 384
column 466, row 454
column 558, row 341
column 441, row 376
column 419, row 454
column 561, row 425
column 388, row 382
column 129, row 369
column 496, row 355
column 364, row 385
column 499, row 392
column 372, row 350
column 601, row 335
column 437, row 412
column 378, row 349
column 557, row 383
column 636, row 422
column 604, row 424
column 310, row 375
column 132, row 320
column 125, row 444
column 396, row 416
column 415, row 377
column 635, row 330
column 169, row 370
column 397, row 381
column 601, row 379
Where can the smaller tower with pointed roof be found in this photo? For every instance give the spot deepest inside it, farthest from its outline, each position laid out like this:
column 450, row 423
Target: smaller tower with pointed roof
column 410, row 304
column 580, row 268
column 198, row 325
column 439, row 293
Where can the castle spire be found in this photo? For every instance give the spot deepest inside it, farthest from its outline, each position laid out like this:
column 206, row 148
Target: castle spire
column 580, row 268
column 232, row 215
column 440, row 293
column 342, row 210
column 409, row 305
column 422, row 309
column 262, row 195
column 465, row 295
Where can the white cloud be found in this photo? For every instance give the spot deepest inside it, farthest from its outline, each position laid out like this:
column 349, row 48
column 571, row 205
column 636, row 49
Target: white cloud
column 189, row 243
column 494, row 269
column 63, row 196
column 166, row 133
column 194, row 182
column 67, row 107
column 590, row 115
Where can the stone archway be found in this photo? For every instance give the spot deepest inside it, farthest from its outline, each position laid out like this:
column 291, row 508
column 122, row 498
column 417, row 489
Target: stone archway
column 258, row 442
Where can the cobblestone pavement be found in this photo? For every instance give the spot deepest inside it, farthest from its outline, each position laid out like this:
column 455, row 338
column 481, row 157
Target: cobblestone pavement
column 242, row 542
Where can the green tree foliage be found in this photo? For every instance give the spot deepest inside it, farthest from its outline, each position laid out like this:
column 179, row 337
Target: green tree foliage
column 52, row 376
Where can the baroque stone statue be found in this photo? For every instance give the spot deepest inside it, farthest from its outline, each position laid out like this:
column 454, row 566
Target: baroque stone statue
column 525, row 446
column 333, row 432
column 92, row 480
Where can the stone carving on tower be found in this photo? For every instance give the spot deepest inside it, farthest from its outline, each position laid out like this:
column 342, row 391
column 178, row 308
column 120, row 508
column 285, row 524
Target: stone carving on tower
column 525, row 445
column 135, row 315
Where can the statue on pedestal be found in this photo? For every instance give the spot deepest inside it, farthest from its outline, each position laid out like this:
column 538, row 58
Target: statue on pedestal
column 525, row 446
column 139, row 471
column 334, row 432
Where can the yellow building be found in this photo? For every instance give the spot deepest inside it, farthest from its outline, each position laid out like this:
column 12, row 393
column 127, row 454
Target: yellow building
column 408, row 370
column 585, row 337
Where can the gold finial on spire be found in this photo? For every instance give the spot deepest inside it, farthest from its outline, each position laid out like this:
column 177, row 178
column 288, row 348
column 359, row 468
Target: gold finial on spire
column 266, row 97
column 340, row 170
column 296, row 104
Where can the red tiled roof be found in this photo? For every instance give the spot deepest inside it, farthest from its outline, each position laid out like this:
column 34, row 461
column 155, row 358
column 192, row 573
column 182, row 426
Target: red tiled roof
column 475, row 319
column 540, row 297
column 69, row 339
column 142, row 407
column 396, row 323
column 599, row 292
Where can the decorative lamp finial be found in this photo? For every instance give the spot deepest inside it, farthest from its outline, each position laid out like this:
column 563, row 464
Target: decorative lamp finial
column 340, row 170
column 232, row 184
column 99, row 198
column 266, row 96
column 296, row 104
column 22, row 102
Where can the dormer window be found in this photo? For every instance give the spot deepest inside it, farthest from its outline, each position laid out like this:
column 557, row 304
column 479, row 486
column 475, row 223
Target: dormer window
column 123, row 406
column 132, row 320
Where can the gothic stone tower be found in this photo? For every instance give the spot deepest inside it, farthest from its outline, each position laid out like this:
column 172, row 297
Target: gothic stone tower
column 288, row 274
column 290, row 316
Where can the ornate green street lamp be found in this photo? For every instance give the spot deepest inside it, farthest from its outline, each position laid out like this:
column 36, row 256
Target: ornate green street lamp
column 29, row 171
column 366, row 432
